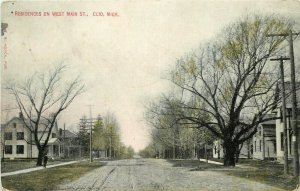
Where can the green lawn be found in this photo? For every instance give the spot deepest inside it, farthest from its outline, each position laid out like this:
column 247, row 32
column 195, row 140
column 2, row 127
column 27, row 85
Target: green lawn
column 266, row 172
column 14, row 165
column 194, row 164
column 48, row 179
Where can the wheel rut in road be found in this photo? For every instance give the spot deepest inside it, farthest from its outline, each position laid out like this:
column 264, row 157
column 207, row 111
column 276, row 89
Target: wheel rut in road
column 104, row 180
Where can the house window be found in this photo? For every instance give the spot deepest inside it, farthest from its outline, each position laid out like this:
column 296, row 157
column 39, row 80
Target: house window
column 281, row 141
column 15, row 125
column 20, row 135
column 260, row 146
column 20, row 149
column 53, row 135
column 254, row 146
column 61, row 149
column 8, row 135
column 8, row 149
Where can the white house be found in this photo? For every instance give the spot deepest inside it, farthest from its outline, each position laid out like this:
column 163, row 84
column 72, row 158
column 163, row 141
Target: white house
column 18, row 142
column 279, row 122
column 264, row 140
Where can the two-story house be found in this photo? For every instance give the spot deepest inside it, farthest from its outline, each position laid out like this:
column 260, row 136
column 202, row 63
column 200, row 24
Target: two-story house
column 17, row 141
column 279, row 121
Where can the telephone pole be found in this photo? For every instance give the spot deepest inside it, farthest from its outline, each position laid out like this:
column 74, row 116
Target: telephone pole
column 91, row 130
column 294, row 100
column 285, row 143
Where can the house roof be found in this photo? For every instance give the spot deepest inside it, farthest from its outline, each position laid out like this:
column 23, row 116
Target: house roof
column 42, row 126
column 51, row 141
column 68, row 134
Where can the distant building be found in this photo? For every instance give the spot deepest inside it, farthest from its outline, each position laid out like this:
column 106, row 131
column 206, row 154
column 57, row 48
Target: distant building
column 70, row 144
column 204, row 150
column 18, row 142
column 264, row 140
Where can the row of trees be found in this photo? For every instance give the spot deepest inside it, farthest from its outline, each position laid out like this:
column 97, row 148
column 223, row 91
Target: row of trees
column 226, row 87
column 106, row 137
column 170, row 139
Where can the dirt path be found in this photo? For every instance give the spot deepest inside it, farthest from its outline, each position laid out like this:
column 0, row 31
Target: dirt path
column 156, row 174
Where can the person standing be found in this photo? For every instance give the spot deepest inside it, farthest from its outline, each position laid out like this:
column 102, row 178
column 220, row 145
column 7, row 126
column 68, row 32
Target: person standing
column 45, row 160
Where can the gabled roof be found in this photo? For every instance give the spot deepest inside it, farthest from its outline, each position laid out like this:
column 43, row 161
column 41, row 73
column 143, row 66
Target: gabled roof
column 42, row 126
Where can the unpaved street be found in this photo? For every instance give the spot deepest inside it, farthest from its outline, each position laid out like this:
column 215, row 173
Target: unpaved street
column 157, row 174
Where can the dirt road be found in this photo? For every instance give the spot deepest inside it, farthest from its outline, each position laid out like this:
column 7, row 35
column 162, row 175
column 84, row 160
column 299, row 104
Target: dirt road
column 157, row 174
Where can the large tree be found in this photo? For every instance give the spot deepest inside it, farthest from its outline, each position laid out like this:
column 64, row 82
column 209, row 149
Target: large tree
column 41, row 99
column 232, row 80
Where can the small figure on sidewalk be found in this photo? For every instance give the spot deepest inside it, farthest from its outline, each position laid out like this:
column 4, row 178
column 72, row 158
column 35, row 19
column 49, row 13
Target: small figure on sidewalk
column 45, row 160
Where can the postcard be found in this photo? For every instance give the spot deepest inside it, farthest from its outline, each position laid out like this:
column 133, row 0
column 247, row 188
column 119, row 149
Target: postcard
column 150, row 95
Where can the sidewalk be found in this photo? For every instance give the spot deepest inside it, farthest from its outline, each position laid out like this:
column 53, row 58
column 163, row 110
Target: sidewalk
column 35, row 169
column 214, row 162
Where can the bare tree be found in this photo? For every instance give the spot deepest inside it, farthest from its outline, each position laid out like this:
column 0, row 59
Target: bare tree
column 111, row 133
column 174, row 135
column 232, row 80
column 41, row 98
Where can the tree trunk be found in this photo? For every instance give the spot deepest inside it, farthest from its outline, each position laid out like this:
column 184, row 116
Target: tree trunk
column 237, row 154
column 39, row 161
column 229, row 153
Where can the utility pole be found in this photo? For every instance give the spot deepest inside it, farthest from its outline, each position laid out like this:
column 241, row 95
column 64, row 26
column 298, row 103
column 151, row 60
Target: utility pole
column 294, row 101
column 91, row 130
column 64, row 141
column 285, row 143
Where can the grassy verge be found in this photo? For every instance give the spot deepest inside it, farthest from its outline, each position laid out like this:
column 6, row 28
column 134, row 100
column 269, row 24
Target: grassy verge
column 48, row 179
column 195, row 165
column 10, row 166
column 266, row 172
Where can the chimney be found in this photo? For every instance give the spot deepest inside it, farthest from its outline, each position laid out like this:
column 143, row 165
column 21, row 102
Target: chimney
column 21, row 115
column 60, row 132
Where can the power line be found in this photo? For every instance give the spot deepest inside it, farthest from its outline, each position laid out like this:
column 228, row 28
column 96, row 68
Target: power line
column 294, row 100
column 285, row 143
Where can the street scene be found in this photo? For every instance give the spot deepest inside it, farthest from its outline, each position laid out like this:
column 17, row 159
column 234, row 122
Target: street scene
column 150, row 95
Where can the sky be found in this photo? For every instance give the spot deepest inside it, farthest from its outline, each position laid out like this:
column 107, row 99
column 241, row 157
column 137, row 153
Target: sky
column 123, row 60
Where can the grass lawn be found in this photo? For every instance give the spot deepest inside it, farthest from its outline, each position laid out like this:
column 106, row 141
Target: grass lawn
column 14, row 165
column 48, row 179
column 266, row 172
column 196, row 165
